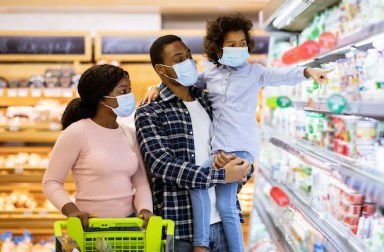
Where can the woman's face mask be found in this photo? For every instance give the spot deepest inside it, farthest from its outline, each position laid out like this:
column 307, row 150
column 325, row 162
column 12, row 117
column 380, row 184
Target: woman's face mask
column 234, row 56
column 186, row 72
column 126, row 104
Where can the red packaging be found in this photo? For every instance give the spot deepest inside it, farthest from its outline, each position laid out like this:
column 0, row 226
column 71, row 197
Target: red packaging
column 369, row 209
column 351, row 220
column 279, row 196
column 350, row 210
column 354, row 198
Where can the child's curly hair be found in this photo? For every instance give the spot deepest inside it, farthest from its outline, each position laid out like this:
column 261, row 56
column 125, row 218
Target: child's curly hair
column 217, row 29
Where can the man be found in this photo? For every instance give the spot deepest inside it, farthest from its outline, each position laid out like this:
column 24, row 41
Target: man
column 173, row 133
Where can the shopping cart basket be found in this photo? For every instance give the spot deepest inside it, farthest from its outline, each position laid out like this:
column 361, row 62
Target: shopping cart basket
column 122, row 234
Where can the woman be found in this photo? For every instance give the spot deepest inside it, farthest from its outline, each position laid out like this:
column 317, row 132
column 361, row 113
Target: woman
column 104, row 158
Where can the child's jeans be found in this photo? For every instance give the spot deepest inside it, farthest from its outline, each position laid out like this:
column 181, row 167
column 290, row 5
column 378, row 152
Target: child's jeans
column 226, row 205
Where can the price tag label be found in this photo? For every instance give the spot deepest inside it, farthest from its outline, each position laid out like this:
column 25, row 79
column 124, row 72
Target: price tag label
column 19, row 168
column 54, row 126
column 36, row 92
column 53, row 92
column 336, row 103
column 43, row 213
column 13, row 127
column 27, row 212
column 67, row 92
column 12, row 92
column 22, row 92
column 283, row 102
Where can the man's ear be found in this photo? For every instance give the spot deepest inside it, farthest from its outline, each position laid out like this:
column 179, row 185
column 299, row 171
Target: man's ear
column 102, row 101
column 159, row 69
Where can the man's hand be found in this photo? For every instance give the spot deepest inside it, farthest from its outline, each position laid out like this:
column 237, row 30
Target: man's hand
column 71, row 210
column 151, row 95
column 221, row 159
column 145, row 214
column 236, row 170
column 317, row 74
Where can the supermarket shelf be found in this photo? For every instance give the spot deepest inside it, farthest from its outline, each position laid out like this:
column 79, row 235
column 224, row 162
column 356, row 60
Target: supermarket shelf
column 20, row 213
column 52, row 126
column 338, row 237
column 361, row 108
column 29, row 149
column 36, row 224
column 31, row 97
column 280, row 240
column 6, row 186
column 360, row 39
column 360, row 178
column 30, row 136
column 22, row 177
column 294, row 20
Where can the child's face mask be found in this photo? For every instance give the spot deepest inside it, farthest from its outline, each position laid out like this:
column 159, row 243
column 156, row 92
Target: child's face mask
column 234, row 56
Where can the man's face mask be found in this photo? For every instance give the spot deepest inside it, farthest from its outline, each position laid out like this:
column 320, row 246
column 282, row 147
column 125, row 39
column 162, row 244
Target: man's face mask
column 186, row 72
column 234, row 56
column 126, row 104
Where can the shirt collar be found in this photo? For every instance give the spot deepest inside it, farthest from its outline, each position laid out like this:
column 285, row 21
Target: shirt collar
column 166, row 94
column 233, row 68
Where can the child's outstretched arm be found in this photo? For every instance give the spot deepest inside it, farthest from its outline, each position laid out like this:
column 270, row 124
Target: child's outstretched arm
column 288, row 75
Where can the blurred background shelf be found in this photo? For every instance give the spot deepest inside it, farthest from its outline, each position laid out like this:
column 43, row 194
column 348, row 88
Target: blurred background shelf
column 30, row 136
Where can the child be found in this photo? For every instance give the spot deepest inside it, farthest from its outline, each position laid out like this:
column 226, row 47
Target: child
column 233, row 86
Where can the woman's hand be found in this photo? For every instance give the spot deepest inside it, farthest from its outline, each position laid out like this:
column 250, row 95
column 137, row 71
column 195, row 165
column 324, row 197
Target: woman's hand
column 145, row 214
column 221, row 159
column 71, row 210
column 151, row 95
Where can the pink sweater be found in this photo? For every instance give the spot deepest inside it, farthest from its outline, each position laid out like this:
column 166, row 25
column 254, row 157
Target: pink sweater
column 109, row 175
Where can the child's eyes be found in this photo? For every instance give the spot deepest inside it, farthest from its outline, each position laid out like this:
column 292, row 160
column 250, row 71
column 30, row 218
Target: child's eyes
column 123, row 91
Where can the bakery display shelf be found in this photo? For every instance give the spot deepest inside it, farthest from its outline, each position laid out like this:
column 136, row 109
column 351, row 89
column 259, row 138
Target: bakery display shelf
column 7, row 150
column 29, row 136
column 6, row 186
column 16, row 127
column 337, row 237
column 33, row 96
column 35, row 224
column 26, row 177
column 363, row 179
column 371, row 109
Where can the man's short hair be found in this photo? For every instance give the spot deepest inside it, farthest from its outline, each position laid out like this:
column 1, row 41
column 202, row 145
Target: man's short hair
column 156, row 50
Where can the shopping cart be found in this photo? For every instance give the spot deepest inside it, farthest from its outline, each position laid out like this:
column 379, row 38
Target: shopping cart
column 122, row 234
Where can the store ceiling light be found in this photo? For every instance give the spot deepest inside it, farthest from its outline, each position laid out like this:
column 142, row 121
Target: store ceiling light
column 290, row 11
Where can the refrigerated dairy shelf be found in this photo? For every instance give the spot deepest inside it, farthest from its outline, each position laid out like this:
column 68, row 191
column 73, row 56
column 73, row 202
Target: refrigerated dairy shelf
column 281, row 240
column 338, row 237
column 360, row 178
column 360, row 39
column 371, row 109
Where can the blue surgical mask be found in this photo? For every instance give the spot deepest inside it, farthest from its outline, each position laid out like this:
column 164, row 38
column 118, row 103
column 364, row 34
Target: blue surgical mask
column 186, row 72
column 126, row 104
column 234, row 56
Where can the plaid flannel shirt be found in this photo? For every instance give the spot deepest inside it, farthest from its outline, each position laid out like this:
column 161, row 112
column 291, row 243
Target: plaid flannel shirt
column 165, row 135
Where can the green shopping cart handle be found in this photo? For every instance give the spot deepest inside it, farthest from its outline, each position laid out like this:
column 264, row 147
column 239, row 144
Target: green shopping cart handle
column 57, row 227
column 170, row 226
column 115, row 222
